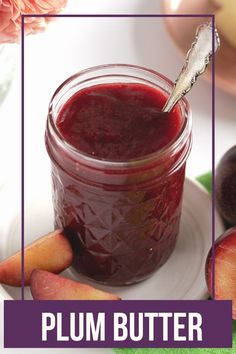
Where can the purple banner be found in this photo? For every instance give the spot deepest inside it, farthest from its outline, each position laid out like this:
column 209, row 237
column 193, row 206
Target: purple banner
column 117, row 324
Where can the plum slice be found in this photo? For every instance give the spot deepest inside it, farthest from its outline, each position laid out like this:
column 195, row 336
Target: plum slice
column 48, row 286
column 51, row 252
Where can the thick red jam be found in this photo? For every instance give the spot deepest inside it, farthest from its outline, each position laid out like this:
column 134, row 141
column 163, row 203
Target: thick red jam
column 118, row 121
column 118, row 166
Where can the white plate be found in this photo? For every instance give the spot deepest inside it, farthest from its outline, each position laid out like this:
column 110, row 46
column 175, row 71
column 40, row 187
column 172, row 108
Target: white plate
column 181, row 278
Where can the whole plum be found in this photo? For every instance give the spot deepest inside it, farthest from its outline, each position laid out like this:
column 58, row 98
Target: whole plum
column 225, row 187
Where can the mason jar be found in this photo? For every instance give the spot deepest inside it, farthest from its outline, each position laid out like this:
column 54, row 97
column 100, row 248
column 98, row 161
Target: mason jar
column 122, row 218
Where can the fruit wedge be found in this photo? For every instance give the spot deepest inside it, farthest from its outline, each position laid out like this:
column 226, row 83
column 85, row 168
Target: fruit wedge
column 225, row 268
column 47, row 286
column 52, row 252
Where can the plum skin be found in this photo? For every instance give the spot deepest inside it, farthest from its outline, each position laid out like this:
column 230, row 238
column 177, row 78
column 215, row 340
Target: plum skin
column 225, row 187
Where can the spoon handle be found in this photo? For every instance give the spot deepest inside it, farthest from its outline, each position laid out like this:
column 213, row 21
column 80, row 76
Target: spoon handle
column 197, row 59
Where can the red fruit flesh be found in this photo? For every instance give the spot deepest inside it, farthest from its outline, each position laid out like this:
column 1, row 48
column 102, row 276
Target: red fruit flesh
column 225, row 268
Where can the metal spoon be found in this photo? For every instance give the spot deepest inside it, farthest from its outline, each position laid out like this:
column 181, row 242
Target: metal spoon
column 197, row 59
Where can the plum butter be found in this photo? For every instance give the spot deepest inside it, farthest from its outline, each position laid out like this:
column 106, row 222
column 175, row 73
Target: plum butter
column 118, row 167
column 118, row 121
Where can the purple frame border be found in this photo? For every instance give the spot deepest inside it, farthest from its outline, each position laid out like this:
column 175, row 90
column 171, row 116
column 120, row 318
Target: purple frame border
column 212, row 16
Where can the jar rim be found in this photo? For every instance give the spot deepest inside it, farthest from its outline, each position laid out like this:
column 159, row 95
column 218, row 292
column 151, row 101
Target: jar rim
column 87, row 159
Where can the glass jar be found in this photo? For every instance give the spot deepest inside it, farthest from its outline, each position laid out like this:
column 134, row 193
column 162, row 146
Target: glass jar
column 122, row 217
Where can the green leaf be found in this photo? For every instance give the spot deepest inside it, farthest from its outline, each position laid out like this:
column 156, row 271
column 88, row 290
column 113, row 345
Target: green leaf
column 206, row 181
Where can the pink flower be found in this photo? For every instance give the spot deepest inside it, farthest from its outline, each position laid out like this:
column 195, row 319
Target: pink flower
column 11, row 11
